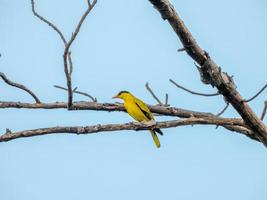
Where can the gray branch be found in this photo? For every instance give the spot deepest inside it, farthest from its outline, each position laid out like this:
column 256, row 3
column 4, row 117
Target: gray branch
column 211, row 73
column 239, row 126
column 22, row 87
column 68, row 65
column 193, row 92
column 9, row 135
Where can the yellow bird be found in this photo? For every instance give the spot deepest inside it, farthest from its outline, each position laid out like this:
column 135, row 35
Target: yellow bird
column 139, row 111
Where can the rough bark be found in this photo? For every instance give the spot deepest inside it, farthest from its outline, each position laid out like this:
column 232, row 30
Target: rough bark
column 128, row 126
column 211, row 73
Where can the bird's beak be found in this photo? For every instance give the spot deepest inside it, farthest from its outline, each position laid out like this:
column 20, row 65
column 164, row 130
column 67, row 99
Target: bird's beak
column 115, row 97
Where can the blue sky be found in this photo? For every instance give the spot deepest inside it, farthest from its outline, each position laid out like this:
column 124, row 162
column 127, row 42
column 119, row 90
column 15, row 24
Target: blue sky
column 123, row 45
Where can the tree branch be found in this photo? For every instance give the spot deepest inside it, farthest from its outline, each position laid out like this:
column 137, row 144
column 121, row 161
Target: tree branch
column 78, row 92
column 258, row 93
column 212, row 74
column 153, row 94
column 264, row 110
column 192, row 92
column 67, row 54
column 161, row 110
column 84, row 105
column 68, row 65
column 223, row 110
column 117, row 127
column 22, row 87
column 48, row 23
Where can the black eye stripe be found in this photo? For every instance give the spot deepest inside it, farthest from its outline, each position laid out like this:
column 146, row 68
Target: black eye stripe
column 124, row 91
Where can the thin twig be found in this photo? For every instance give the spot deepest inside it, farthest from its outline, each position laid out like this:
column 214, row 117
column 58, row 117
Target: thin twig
column 192, row 92
column 223, row 110
column 48, row 23
column 22, row 87
column 264, row 110
column 70, row 63
column 83, row 17
column 181, row 49
column 258, row 93
column 117, row 127
column 153, row 94
column 166, row 99
column 77, row 92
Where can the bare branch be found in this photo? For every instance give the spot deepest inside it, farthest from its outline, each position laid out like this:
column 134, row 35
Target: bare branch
column 83, row 17
column 181, row 49
column 258, row 93
column 223, row 110
column 48, row 23
column 84, row 105
column 161, row 110
column 22, row 87
column 192, row 92
column 66, row 53
column 70, row 63
column 264, row 110
column 212, row 73
column 77, row 92
column 166, row 99
column 115, row 127
column 153, row 94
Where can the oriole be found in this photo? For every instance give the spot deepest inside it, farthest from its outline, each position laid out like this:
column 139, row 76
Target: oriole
column 139, row 111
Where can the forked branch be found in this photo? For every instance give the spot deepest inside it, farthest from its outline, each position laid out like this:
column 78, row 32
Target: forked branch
column 75, row 90
column 68, row 65
column 211, row 73
column 67, row 56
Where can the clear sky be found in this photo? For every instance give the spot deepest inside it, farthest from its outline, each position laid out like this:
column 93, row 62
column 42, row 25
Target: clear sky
column 122, row 45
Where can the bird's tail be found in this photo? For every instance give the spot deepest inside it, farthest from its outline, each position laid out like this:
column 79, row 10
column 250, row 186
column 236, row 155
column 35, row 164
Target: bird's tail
column 155, row 138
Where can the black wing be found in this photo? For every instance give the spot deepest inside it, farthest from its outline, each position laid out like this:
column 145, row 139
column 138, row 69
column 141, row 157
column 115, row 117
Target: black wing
column 144, row 112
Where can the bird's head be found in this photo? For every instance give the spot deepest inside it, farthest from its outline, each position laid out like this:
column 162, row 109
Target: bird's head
column 122, row 95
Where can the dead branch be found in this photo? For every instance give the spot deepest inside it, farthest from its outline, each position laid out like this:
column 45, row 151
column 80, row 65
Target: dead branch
column 66, row 52
column 258, row 93
column 68, row 65
column 153, row 94
column 192, row 92
column 84, row 105
column 264, row 110
column 161, row 110
column 223, row 110
column 166, row 99
column 22, row 87
column 48, row 23
column 211, row 72
column 77, row 92
column 117, row 127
